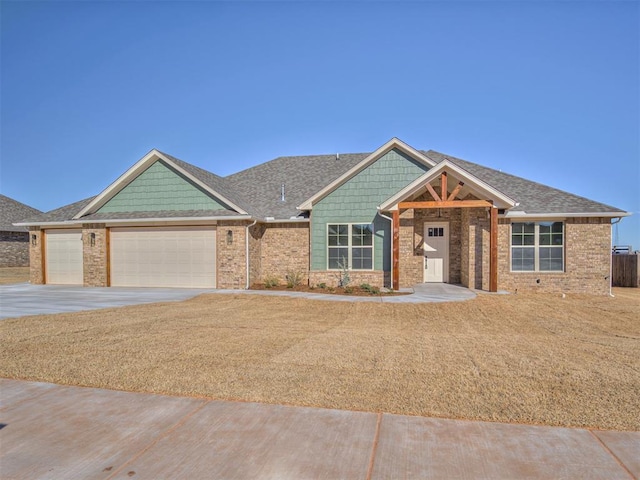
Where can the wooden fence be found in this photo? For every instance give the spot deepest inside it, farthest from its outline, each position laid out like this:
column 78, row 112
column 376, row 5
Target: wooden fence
column 625, row 270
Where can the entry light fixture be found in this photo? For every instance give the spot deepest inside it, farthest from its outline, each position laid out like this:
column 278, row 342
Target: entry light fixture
column 34, row 239
column 229, row 237
column 92, row 239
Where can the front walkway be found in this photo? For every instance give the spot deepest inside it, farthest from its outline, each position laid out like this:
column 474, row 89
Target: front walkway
column 420, row 293
column 53, row 431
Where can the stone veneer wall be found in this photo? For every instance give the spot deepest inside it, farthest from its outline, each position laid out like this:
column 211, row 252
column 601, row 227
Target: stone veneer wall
column 230, row 258
column 95, row 257
column 36, row 258
column 285, row 248
column 14, row 249
column 587, row 260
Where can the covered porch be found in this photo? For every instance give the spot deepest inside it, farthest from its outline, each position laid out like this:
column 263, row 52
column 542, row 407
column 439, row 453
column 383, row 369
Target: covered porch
column 445, row 230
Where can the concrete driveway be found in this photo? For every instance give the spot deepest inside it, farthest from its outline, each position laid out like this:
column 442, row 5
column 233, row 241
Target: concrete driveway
column 24, row 299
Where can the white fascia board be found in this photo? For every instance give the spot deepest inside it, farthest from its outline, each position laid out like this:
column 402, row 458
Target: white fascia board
column 121, row 182
column 391, row 144
column 61, row 224
column 285, row 220
column 127, row 177
column 470, row 181
column 112, row 221
column 531, row 216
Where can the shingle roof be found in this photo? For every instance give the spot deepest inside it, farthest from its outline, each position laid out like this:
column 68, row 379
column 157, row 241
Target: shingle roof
column 257, row 190
column 302, row 176
column 533, row 197
column 12, row 211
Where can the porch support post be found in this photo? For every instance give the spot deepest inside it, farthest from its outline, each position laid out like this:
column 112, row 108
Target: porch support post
column 395, row 275
column 493, row 256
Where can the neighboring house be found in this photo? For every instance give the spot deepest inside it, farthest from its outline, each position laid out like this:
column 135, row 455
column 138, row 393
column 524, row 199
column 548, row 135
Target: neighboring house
column 394, row 217
column 14, row 241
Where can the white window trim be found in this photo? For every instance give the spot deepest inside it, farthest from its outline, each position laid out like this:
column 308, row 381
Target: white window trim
column 536, row 248
column 350, row 246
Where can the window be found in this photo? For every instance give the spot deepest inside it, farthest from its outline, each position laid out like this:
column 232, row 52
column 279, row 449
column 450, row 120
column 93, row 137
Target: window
column 350, row 246
column 537, row 247
column 435, row 232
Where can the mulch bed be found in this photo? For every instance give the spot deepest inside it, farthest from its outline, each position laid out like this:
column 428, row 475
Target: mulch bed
column 354, row 290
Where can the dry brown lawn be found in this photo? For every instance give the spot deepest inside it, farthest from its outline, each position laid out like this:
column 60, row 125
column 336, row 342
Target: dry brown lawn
column 14, row 275
column 537, row 359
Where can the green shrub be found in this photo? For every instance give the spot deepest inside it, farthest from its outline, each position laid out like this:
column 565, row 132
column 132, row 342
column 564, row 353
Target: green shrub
column 294, row 278
column 271, row 281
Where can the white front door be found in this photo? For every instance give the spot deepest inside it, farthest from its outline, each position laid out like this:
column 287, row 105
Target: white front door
column 436, row 252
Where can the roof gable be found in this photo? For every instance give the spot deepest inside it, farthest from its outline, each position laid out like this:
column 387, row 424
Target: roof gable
column 392, row 144
column 472, row 184
column 155, row 175
column 160, row 188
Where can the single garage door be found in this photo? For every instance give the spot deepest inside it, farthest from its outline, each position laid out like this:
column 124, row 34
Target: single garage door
column 163, row 257
column 63, row 257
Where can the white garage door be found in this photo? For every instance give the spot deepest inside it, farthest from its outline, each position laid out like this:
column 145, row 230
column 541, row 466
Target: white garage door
column 163, row 257
column 63, row 256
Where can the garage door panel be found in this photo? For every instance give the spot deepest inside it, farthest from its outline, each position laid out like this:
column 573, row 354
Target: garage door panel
column 163, row 257
column 63, row 255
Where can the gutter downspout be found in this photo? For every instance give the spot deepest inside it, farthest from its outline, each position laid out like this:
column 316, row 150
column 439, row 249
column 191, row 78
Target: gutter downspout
column 246, row 254
column 391, row 232
column 611, row 257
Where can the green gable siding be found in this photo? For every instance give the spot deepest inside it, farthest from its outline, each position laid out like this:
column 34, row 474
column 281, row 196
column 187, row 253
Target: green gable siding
column 158, row 188
column 356, row 201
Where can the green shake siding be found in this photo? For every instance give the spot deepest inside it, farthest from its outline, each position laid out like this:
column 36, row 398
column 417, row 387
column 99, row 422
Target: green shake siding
column 356, row 202
column 160, row 188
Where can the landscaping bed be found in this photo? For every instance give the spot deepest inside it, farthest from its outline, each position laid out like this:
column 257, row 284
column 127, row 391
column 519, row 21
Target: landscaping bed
column 363, row 290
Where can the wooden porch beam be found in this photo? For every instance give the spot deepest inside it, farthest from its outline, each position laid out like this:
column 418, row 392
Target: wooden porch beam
column 493, row 255
column 447, row 204
column 455, row 192
column 395, row 269
column 433, row 193
column 443, row 186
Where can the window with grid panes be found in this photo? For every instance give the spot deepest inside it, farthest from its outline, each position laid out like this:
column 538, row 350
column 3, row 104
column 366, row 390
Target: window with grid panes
column 350, row 245
column 537, row 247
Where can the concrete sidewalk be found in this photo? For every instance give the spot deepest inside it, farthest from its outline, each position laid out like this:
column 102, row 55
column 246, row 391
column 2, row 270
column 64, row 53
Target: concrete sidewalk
column 59, row 432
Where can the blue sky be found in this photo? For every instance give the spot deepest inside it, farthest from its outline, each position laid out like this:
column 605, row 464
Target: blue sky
column 549, row 91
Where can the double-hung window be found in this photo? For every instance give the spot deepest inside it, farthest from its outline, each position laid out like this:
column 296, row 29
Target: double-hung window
column 537, row 247
column 350, row 245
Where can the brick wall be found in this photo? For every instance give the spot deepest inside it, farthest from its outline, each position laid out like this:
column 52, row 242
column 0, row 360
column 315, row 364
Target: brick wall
column 231, row 264
column 95, row 256
column 475, row 248
column 285, row 248
column 587, row 260
column 412, row 224
column 375, row 278
column 14, row 249
column 256, row 232
column 36, row 258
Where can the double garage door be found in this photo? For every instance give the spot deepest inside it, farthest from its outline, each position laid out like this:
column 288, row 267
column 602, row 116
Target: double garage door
column 140, row 257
